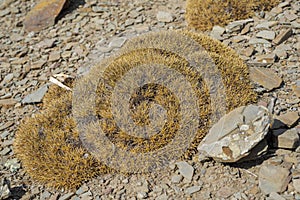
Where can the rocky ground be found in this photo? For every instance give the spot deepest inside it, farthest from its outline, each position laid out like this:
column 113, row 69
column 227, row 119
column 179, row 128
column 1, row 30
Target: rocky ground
column 92, row 30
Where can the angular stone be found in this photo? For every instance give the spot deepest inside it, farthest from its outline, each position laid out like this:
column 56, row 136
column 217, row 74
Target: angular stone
column 66, row 196
column 259, row 41
column 265, row 34
column 265, row 77
column 82, row 189
column 142, row 195
column 237, row 25
column 191, row 190
column 45, row 195
column 217, row 32
column 236, row 134
column 288, row 139
column 4, row 12
column 275, row 11
column 290, row 15
column 164, row 16
column 266, row 58
column 273, row 178
column 4, row 134
column 239, row 38
column 162, row 197
column 289, row 118
column 13, row 165
column 37, row 65
column 296, row 90
column 284, row 4
column 8, row 102
column 266, row 25
column 296, row 184
column 47, row 43
column 54, row 56
column 5, row 151
column 117, row 43
column 275, row 196
column 281, row 50
column 185, row 169
column 7, row 78
column 176, row 178
column 246, row 29
column 283, row 36
column 37, row 96
column 225, row 192
column 248, row 51
column 6, row 125
column 99, row 9
column 43, row 14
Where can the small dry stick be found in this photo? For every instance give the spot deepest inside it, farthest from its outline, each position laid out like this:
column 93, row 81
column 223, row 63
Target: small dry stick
column 60, row 84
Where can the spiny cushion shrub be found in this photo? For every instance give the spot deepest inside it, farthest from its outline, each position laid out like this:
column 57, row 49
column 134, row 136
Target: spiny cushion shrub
column 49, row 147
column 204, row 14
column 48, row 143
column 146, row 51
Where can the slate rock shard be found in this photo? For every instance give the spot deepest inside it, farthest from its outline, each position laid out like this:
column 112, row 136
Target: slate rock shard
column 43, row 14
column 265, row 77
column 236, row 134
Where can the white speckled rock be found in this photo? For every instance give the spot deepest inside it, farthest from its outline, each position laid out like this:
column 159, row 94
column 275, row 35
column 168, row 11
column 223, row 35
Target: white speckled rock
column 236, row 133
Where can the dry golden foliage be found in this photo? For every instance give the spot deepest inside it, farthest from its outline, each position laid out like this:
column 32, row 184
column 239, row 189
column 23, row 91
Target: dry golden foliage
column 48, row 143
column 49, row 147
column 204, row 14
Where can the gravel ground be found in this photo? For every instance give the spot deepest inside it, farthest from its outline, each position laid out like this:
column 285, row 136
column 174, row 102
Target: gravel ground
column 92, row 30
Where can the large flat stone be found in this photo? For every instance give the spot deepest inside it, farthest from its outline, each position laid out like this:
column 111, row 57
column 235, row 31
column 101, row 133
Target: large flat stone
column 273, row 178
column 265, row 77
column 235, row 135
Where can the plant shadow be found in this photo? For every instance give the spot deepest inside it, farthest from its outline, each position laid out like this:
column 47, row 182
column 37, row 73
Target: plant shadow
column 69, row 7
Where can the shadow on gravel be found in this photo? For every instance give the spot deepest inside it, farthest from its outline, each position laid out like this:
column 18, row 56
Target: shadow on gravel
column 263, row 151
column 17, row 192
column 251, row 163
column 70, row 6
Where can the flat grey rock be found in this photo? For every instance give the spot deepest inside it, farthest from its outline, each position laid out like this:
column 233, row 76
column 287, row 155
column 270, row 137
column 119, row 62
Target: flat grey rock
column 236, row 134
column 275, row 196
column 117, row 43
column 66, row 196
column 296, row 184
column 191, row 190
column 288, row 139
column 265, row 77
column 164, row 16
column 37, row 96
column 185, row 169
column 273, row 178
column 265, row 34
column 289, row 118
column 176, row 178
column 237, row 25
column 258, row 41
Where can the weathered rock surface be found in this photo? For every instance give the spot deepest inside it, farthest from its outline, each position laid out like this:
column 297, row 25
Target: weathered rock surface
column 43, row 14
column 265, row 77
column 236, row 133
column 37, row 96
column 289, row 118
column 164, row 16
column 288, row 139
column 273, row 178
column 185, row 169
